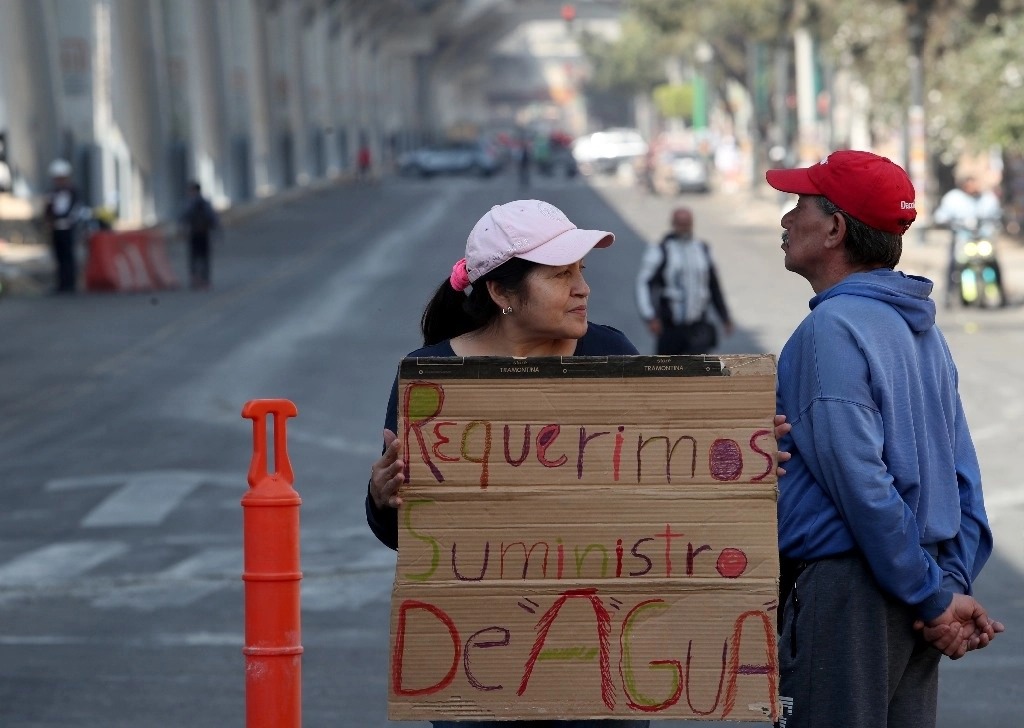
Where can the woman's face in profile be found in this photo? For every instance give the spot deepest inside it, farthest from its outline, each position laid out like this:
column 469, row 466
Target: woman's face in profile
column 554, row 302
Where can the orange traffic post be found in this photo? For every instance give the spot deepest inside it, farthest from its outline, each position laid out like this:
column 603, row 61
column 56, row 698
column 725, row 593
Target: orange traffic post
column 273, row 630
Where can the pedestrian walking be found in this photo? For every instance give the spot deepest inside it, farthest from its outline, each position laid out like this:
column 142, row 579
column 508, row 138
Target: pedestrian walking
column 364, row 162
column 519, row 291
column 677, row 286
column 61, row 213
column 200, row 223
column 523, row 162
column 882, row 524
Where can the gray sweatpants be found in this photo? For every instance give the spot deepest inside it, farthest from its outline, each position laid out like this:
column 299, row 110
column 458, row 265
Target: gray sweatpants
column 849, row 656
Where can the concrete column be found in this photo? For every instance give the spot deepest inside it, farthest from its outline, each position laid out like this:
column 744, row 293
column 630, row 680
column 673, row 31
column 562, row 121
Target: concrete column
column 112, row 151
column 208, row 117
column 75, row 47
column 33, row 111
column 258, row 87
column 298, row 119
column 426, row 96
column 140, row 103
column 350, row 79
column 314, row 46
column 335, row 74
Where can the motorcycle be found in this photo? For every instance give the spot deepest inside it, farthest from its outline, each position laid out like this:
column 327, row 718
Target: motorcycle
column 974, row 274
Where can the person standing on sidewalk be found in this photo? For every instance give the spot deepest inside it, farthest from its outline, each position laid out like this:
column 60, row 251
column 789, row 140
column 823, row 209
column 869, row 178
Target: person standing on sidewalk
column 676, row 286
column 61, row 214
column 364, row 162
column 200, row 222
column 882, row 524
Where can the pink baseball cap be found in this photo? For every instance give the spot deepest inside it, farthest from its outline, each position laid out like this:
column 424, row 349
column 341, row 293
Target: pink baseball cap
column 533, row 230
column 870, row 188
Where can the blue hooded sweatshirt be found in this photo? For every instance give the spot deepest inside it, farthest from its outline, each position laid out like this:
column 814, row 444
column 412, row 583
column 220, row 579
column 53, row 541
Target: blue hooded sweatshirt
column 883, row 463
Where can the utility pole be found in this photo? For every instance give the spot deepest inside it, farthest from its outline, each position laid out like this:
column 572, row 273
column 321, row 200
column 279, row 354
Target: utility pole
column 806, row 98
column 915, row 141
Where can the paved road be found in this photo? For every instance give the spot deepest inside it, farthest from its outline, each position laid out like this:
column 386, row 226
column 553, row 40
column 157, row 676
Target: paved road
column 125, row 454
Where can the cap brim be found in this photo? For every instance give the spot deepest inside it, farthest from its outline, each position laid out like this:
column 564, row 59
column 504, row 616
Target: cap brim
column 797, row 181
column 568, row 247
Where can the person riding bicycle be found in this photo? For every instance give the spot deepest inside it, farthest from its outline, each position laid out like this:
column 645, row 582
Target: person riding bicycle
column 970, row 213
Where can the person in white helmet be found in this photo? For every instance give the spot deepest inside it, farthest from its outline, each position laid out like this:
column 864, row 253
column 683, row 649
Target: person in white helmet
column 61, row 213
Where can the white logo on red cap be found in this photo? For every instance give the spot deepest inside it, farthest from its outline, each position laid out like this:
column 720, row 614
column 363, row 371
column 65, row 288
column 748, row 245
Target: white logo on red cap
column 904, row 205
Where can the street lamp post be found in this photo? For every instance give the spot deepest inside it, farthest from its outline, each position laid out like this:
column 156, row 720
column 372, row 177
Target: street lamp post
column 916, row 160
column 703, row 54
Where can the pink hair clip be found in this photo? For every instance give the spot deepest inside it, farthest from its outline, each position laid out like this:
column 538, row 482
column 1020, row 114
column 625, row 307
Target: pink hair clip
column 459, row 278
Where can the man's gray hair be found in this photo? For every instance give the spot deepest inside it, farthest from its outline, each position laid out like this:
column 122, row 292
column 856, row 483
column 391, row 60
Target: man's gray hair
column 866, row 245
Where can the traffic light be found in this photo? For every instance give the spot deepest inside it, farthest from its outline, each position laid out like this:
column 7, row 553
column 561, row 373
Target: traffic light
column 3, row 146
column 568, row 14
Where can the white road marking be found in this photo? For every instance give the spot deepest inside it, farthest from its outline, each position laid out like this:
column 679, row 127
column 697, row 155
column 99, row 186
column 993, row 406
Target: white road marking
column 188, row 639
column 350, row 592
column 180, row 585
column 145, row 498
column 58, row 562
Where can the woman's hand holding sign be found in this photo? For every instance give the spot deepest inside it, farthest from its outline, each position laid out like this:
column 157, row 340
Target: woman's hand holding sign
column 387, row 474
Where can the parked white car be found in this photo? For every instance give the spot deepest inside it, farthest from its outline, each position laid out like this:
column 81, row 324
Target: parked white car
column 604, row 151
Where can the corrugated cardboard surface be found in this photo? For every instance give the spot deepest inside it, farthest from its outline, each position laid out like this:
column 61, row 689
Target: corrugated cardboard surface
column 586, row 538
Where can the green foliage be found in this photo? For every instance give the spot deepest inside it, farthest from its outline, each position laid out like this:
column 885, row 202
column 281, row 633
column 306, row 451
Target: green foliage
column 634, row 63
column 675, row 101
column 977, row 95
column 972, row 62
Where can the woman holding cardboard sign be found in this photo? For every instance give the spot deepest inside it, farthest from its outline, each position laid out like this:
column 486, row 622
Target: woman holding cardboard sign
column 520, row 291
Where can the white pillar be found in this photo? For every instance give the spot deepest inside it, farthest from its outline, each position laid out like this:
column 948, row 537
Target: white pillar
column 208, row 118
column 298, row 118
column 258, row 87
column 111, row 148
column 31, row 80
column 140, row 105
column 318, row 94
column 803, row 48
column 335, row 74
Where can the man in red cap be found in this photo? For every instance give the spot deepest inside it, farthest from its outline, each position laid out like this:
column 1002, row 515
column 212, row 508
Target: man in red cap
column 882, row 524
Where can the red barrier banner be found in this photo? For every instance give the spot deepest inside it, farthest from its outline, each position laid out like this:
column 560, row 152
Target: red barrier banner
column 129, row 261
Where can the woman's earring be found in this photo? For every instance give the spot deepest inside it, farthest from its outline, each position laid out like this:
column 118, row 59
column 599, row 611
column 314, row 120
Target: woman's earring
column 506, row 311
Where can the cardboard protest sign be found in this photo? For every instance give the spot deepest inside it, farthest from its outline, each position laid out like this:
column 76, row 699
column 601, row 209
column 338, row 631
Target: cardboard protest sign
column 586, row 537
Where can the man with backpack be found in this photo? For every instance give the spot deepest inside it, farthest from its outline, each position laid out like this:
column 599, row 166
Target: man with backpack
column 199, row 221
column 676, row 286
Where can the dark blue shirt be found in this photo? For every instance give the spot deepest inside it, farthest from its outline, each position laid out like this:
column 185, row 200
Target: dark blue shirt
column 599, row 340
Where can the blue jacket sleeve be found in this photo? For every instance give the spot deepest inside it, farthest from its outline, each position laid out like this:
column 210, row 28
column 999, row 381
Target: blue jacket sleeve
column 962, row 557
column 852, row 471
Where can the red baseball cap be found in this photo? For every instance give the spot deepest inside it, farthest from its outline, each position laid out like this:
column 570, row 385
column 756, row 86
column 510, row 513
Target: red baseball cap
column 870, row 188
